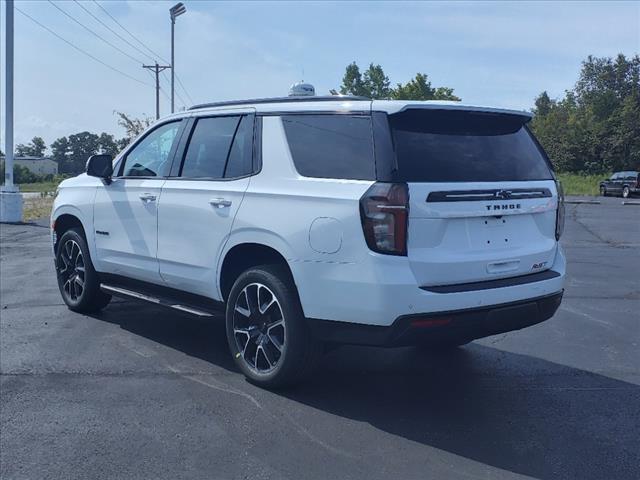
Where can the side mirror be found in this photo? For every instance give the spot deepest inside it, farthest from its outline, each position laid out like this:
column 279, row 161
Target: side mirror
column 100, row 166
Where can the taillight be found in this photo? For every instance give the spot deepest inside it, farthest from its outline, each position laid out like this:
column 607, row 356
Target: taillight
column 384, row 210
column 560, row 211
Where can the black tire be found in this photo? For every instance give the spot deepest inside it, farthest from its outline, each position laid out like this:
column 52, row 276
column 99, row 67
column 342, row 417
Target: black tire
column 603, row 191
column 272, row 347
column 77, row 279
column 625, row 192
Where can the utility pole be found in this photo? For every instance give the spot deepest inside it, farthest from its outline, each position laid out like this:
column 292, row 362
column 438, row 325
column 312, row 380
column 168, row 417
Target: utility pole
column 175, row 11
column 10, row 197
column 157, row 69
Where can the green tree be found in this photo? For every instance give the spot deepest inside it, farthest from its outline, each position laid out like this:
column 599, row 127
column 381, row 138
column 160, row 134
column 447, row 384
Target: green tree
column 419, row 88
column 35, row 148
column 71, row 153
column 81, row 146
column 595, row 127
column 132, row 127
column 108, row 144
column 59, row 152
column 375, row 84
column 352, row 83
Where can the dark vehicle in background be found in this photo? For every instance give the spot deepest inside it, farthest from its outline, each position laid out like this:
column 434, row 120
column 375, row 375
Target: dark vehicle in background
column 621, row 183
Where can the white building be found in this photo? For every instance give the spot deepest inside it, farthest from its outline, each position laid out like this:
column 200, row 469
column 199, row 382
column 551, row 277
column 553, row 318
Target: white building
column 37, row 165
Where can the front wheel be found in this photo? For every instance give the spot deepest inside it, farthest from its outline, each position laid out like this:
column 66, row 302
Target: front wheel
column 77, row 279
column 266, row 330
column 603, row 191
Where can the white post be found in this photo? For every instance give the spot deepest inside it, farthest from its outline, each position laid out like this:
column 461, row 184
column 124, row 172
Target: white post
column 10, row 197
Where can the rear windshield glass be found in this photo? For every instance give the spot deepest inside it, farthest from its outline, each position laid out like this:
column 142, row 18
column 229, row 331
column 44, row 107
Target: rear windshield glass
column 455, row 146
column 331, row 146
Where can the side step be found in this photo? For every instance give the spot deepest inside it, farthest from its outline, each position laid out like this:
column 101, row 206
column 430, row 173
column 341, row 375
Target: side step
column 158, row 300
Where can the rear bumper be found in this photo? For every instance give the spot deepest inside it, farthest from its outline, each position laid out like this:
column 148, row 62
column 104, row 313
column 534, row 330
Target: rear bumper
column 438, row 327
column 383, row 289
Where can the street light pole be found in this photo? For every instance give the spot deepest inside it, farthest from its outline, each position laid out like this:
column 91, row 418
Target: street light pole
column 8, row 135
column 173, row 64
column 10, row 197
column 175, row 11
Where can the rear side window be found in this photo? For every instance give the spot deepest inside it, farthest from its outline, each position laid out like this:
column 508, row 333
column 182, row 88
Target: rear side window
column 331, row 146
column 241, row 154
column 219, row 147
column 456, row 146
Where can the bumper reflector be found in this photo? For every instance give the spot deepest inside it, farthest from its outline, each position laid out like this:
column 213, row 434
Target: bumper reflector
column 430, row 322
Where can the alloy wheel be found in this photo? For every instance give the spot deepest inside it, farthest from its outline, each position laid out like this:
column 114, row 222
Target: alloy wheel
column 259, row 328
column 71, row 270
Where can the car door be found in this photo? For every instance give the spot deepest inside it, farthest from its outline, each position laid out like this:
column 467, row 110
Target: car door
column 201, row 198
column 617, row 183
column 126, row 210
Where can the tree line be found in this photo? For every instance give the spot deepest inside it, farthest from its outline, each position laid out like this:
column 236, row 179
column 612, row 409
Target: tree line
column 374, row 83
column 71, row 152
column 593, row 128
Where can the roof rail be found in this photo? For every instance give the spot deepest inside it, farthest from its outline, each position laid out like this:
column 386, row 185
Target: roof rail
column 326, row 98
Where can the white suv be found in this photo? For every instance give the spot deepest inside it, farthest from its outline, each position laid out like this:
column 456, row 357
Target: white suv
column 319, row 220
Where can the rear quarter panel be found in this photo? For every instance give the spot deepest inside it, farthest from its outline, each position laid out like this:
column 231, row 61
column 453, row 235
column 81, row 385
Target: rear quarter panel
column 280, row 207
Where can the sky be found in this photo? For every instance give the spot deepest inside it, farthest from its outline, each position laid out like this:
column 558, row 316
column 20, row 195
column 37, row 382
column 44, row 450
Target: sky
column 491, row 53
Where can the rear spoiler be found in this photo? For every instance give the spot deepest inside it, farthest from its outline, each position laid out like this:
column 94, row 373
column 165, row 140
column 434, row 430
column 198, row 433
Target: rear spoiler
column 393, row 107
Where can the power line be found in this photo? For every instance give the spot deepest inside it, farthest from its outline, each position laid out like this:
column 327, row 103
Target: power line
column 146, row 47
column 80, row 49
column 164, row 75
column 113, row 31
column 95, row 34
column 131, row 34
column 184, row 89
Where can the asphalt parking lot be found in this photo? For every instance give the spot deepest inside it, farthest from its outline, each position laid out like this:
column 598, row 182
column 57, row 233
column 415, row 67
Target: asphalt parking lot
column 143, row 392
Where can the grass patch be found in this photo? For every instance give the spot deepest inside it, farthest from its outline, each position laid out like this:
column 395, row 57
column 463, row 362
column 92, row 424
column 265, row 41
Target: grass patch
column 36, row 208
column 576, row 184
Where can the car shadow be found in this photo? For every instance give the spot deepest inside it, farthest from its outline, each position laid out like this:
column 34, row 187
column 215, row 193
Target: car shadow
column 515, row 412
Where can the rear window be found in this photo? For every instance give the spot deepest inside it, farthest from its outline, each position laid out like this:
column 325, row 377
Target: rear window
column 455, row 146
column 331, row 146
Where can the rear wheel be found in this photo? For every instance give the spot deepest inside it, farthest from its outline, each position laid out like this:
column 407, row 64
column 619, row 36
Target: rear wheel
column 266, row 329
column 77, row 279
column 625, row 192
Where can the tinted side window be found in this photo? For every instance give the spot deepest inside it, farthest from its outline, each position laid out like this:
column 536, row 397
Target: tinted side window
column 241, row 155
column 209, row 147
column 331, row 146
column 150, row 157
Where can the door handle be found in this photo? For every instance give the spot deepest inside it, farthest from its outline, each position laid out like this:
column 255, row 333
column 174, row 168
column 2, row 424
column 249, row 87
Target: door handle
column 147, row 197
column 220, row 202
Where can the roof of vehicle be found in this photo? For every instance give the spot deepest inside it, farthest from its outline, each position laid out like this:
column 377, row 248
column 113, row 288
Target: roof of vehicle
column 343, row 103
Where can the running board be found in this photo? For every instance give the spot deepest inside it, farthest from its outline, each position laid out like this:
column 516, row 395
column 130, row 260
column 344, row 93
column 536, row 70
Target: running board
column 151, row 298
